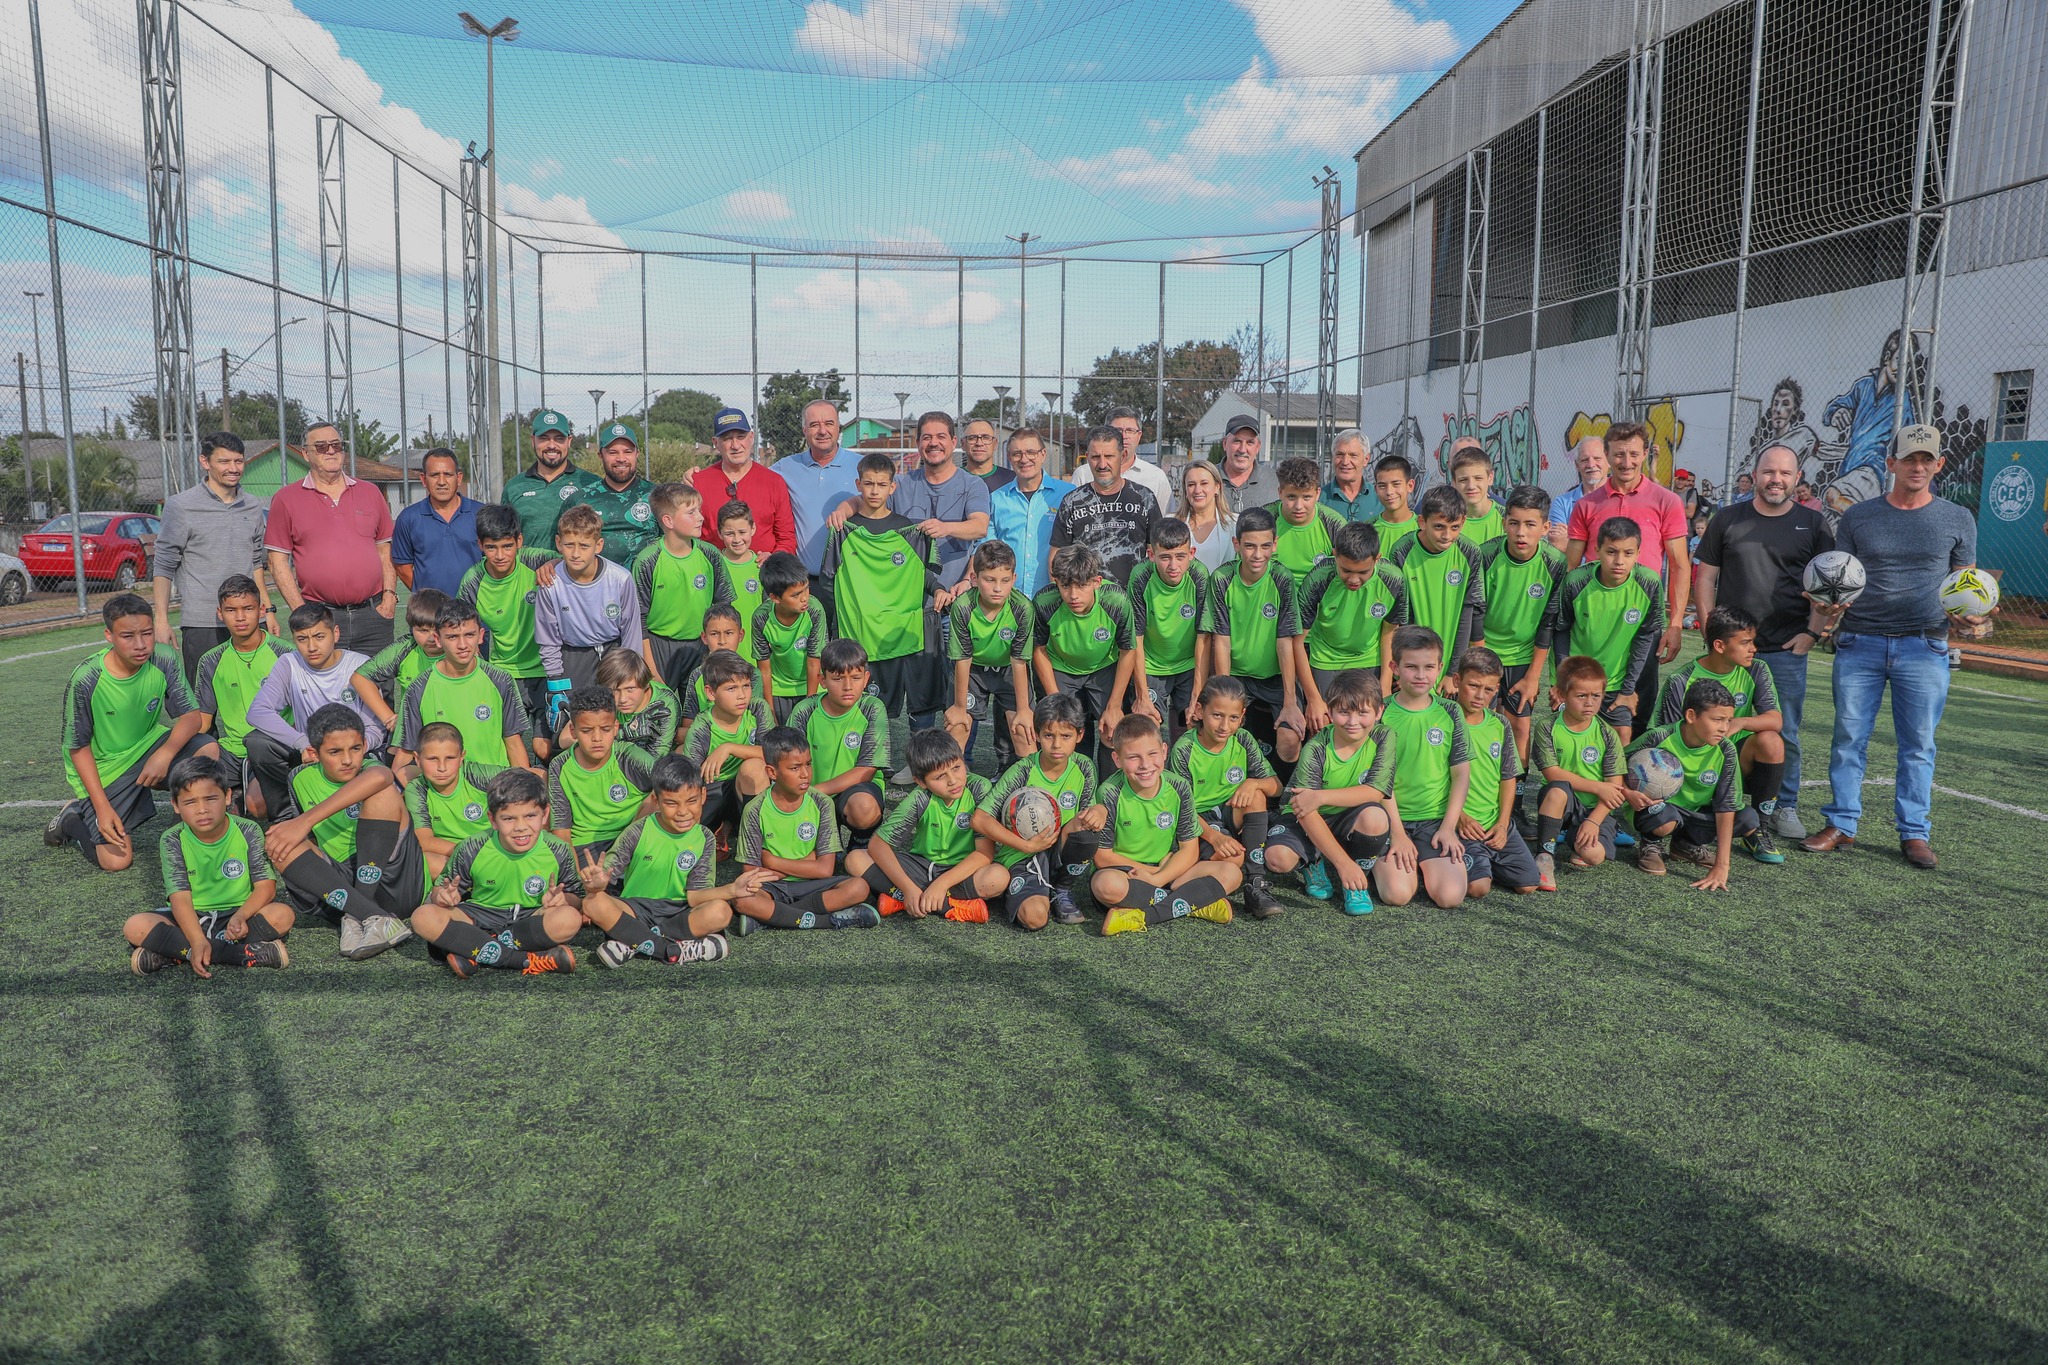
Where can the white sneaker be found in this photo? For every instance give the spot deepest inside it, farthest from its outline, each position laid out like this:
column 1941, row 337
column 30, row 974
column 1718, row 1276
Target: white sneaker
column 612, row 953
column 376, row 933
column 1785, row 823
column 352, row 937
column 903, row 777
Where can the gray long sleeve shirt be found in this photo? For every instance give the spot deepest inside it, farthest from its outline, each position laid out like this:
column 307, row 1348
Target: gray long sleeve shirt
column 204, row 541
column 602, row 612
column 293, row 685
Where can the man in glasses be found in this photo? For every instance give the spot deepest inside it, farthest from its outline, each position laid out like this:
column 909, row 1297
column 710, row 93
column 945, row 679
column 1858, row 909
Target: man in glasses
column 978, row 443
column 549, row 484
column 738, row 476
column 328, row 540
column 621, row 497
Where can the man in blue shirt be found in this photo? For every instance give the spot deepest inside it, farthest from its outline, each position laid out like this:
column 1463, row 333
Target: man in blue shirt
column 1020, row 512
column 433, row 543
column 821, row 479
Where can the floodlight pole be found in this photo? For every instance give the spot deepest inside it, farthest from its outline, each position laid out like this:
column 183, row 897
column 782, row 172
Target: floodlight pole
column 754, row 325
column 596, row 412
column 276, row 256
column 646, row 395
column 901, row 399
column 1023, row 240
column 1002, row 392
column 856, row 345
column 506, row 29
column 960, row 334
column 1159, row 385
column 35, row 41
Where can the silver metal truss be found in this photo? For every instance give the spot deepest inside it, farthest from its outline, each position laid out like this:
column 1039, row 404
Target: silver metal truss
column 1472, row 279
column 1326, row 319
column 337, row 326
column 170, row 253
column 475, row 341
column 1933, row 165
column 1639, row 206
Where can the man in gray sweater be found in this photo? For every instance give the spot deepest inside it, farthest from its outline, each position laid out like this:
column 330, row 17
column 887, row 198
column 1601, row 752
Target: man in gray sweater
column 211, row 532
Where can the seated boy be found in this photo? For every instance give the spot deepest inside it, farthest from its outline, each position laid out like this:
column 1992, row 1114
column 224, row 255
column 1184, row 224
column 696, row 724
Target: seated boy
column 788, row 634
column 383, row 680
column 725, row 740
column 1082, row 641
column 478, row 699
column 668, row 906
column 348, row 846
column 503, row 587
column 1304, row 527
column 446, row 801
column 677, row 577
column 790, row 833
column 1349, row 608
column 128, row 719
column 597, row 786
column 1472, row 476
column 223, row 909
column 1580, row 758
column 989, row 634
column 1432, row 773
column 742, row 564
column 1035, row 877
column 1393, row 483
column 927, row 849
column 1343, row 781
column 721, row 631
column 1523, row 574
column 1494, row 849
column 849, row 735
column 591, row 607
column 648, row 710
column 1707, row 808
column 1149, row 864
column 510, row 899
column 228, row 677
column 1613, row 610
column 1253, row 617
column 1235, row 789
column 1170, row 617
column 317, row 672
column 1445, row 591
column 1758, row 732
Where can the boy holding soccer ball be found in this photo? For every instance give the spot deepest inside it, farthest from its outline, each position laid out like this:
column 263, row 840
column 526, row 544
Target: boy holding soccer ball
column 1036, row 887
column 1707, row 806
column 1731, row 660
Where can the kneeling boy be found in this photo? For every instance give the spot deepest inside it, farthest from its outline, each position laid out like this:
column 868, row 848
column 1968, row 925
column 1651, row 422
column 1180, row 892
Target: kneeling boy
column 510, row 899
column 668, row 905
column 223, row 909
column 790, row 834
column 1343, row 781
column 1149, row 868
column 1707, row 808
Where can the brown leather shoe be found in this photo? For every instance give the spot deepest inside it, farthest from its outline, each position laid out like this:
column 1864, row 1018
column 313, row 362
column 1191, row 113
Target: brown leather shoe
column 1918, row 853
column 1829, row 840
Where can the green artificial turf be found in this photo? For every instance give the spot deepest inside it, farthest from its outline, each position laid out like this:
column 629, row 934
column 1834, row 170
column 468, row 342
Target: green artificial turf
column 1803, row 1120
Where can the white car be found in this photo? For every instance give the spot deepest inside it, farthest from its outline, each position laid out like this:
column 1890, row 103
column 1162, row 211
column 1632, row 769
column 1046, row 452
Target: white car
column 14, row 582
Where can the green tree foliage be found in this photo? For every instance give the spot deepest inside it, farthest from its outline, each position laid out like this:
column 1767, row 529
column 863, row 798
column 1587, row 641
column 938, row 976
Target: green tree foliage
column 254, row 416
column 687, row 411
column 106, row 479
column 1197, row 373
column 780, row 422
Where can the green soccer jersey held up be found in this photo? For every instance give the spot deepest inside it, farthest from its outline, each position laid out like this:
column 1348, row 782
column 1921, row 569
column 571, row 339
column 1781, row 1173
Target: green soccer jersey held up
column 882, row 570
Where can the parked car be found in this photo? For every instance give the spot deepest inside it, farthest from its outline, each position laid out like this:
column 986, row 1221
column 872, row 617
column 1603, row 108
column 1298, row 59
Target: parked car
column 118, row 548
column 14, row 581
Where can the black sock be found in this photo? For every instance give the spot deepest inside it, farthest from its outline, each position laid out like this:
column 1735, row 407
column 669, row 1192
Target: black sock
column 376, row 846
column 1252, row 834
column 312, row 876
column 167, row 940
column 531, row 934
column 1074, row 855
column 638, row 934
column 465, row 940
column 72, row 823
column 1140, row 896
column 795, row 915
column 261, row 930
column 1763, row 783
column 1194, row 894
column 1548, row 827
column 227, row 954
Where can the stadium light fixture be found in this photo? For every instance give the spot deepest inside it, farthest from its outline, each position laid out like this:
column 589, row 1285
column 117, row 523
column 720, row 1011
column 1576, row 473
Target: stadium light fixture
column 901, row 399
column 596, row 412
column 1002, row 392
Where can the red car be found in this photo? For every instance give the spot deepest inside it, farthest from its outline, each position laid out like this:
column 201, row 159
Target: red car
column 118, row 548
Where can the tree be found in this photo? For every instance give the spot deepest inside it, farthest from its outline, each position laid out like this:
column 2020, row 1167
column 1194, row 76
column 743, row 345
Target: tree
column 1197, row 373
column 779, row 424
column 1262, row 364
column 106, row 479
column 254, row 414
column 691, row 410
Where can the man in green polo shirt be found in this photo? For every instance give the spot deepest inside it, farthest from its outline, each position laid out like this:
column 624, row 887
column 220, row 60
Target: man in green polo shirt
column 622, row 497
column 551, row 483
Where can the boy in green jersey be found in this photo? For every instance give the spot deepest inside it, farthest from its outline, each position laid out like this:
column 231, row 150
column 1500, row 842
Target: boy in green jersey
column 721, row 631
column 511, row 899
column 1170, row 620
column 1706, row 810
column 1350, row 608
column 1613, row 610
column 790, row 834
column 1432, row 774
column 1393, row 482
column 1579, row 756
column 725, row 740
column 1235, row 789
column 1445, row 592
column 1035, row 877
column 222, row 909
column 1253, row 622
column 597, row 786
column 1083, row 640
column 788, row 634
column 677, row 577
column 1523, row 574
column 1149, row 867
column 1303, row 526
column 1494, row 848
column 228, row 677
column 742, row 563
column 668, row 906
column 446, row 801
column 648, row 710
column 348, row 845
column 849, row 735
column 383, row 681
column 884, row 572
column 502, row 586
column 128, row 719
column 926, row 853
column 1472, row 475
column 478, row 699
column 1759, row 729
column 989, row 635
column 1345, row 776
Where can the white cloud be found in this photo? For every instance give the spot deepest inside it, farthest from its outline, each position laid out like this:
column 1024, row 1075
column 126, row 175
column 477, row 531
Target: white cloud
column 1348, row 37
column 1258, row 116
column 887, row 37
column 887, row 301
column 757, row 206
column 978, row 307
column 1143, row 172
column 547, row 168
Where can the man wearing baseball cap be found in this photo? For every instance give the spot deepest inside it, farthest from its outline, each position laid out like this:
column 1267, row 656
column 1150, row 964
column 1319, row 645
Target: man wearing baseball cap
column 551, row 483
column 622, row 496
column 1248, row 481
column 738, row 476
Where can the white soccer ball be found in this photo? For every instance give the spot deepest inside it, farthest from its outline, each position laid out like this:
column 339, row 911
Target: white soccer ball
column 1834, row 578
column 1969, row 592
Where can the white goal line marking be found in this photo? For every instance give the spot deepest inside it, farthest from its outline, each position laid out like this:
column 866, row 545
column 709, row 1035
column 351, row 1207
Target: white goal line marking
column 61, row 649
column 1959, row 794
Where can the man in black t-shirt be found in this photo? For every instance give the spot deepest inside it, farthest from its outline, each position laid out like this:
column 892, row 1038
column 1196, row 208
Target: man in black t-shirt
column 1754, row 556
column 1109, row 514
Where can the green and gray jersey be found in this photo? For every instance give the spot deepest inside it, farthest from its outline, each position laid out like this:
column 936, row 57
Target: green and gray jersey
column 788, row 646
column 857, row 739
column 1713, row 771
column 335, row 835
column 1753, row 688
column 121, row 719
column 1522, row 597
column 991, row 639
column 1072, row 792
column 484, row 704
column 1393, row 533
column 1324, row 768
column 882, row 571
column 1619, row 626
column 1169, row 616
column 1486, row 526
column 1445, row 591
column 1591, row 755
column 745, row 577
column 1147, row 829
column 1298, row 549
column 461, row 812
column 1428, row 743
column 942, row 831
column 628, row 517
column 692, row 700
column 594, row 804
column 1494, row 761
column 506, row 607
column 676, row 590
column 648, row 862
column 487, row 873
column 539, row 502
column 652, row 729
column 1087, row 643
column 1254, row 617
column 220, row 875
column 226, row 683
column 397, row 666
column 1343, row 625
column 707, row 732
column 805, row 832
column 1215, row 775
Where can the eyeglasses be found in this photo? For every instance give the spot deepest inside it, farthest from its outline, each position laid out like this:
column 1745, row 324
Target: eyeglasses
column 731, row 489
column 326, row 447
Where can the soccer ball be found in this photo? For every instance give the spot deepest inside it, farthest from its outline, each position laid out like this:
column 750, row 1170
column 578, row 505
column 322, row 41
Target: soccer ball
column 1656, row 773
column 1029, row 813
column 1969, row 592
column 1834, row 578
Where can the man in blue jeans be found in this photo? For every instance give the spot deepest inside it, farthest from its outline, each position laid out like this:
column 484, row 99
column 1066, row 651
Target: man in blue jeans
column 1895, row 633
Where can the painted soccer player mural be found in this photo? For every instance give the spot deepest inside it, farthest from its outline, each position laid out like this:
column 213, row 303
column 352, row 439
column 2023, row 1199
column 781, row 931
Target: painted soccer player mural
column 1864, row 416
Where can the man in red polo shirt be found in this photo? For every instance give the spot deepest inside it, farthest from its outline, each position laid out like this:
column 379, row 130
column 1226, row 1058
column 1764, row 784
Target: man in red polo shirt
column 1630, row 492
column 738, row 475
column 329, row 541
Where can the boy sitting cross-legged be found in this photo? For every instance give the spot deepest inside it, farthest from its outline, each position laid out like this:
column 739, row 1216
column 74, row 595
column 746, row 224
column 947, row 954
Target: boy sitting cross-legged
column 721, row 631
column 1035, row 876
column 1343, row 781
column 849, row 735
column 1235, row 789
column 927, row 849
column 446, row 801
column 1580, row 758
column 789, row 834
column 597, row 786
column 223, row 909
column 1303, row 525
column 668, row 906
column 502, row 586
column 348, row 847
column 788, row 634
column 1706, row 811
column 510, row 899
column 725, row 740
column 677, row 577
column 1149, row 867
column 460, row 688
column 1758, row 731
column 228, row 677
column 989, row 639
column 1494, row 849
column 1432, row 773
column 647, row 706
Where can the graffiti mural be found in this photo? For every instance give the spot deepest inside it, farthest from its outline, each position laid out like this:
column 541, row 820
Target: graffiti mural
column 1509, row 441
column 1405, row 439
column 1667, row 435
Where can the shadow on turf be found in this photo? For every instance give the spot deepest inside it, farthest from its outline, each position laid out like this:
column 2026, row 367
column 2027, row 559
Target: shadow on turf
column 218, row 1311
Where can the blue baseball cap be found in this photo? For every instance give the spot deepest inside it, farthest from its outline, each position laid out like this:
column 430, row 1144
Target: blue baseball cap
column 728, row 421
column 547, row 419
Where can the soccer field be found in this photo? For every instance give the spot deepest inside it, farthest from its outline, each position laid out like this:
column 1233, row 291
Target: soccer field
column 1801, row 1120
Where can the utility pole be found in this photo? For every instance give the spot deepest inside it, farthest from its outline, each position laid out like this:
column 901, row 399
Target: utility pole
column 227, row 421
column 506, row 29
column 1022, row 239
column 28, row 469
column 35, row 298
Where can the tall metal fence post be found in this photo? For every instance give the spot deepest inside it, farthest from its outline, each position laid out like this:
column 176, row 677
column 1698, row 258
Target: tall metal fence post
column 856, row 347
column 276, row 258
column 646, row 395
column 540, row 320
column 447, row 334
column 960, row 335
column 754, row 327
column 35, row 38
column 512, row 332
column 1756, row 73
column 1536, row 255
column 398, row 319
column 1064, row 405
column 1287, row 381
column 1159, row 379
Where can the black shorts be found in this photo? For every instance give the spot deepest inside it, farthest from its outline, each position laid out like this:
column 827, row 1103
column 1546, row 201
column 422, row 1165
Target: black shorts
column 1223, row 817
column 909, row 683
column 212, row 923
column 1325, row 678
column 722, row 801
column 1512, row 864
column 579, row 663
column 1576, row 813
column 839, row 804
column 1420, row 832
column 133, row 803
column 1171, row 694
column 796, row 891
column 1620, row 717
column 493, row 920
column 1696, row 827
column 989, row 701
column 919, row 868
column 396, row 888
column 783, row 706
column 674, row 659
column 1030, row 878
column 671, row 919
column 1264, row 699
column 1511, row 677
column 533, row 695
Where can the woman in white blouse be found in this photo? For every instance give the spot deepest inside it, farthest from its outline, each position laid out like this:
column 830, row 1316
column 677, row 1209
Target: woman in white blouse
column 1205, row 507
